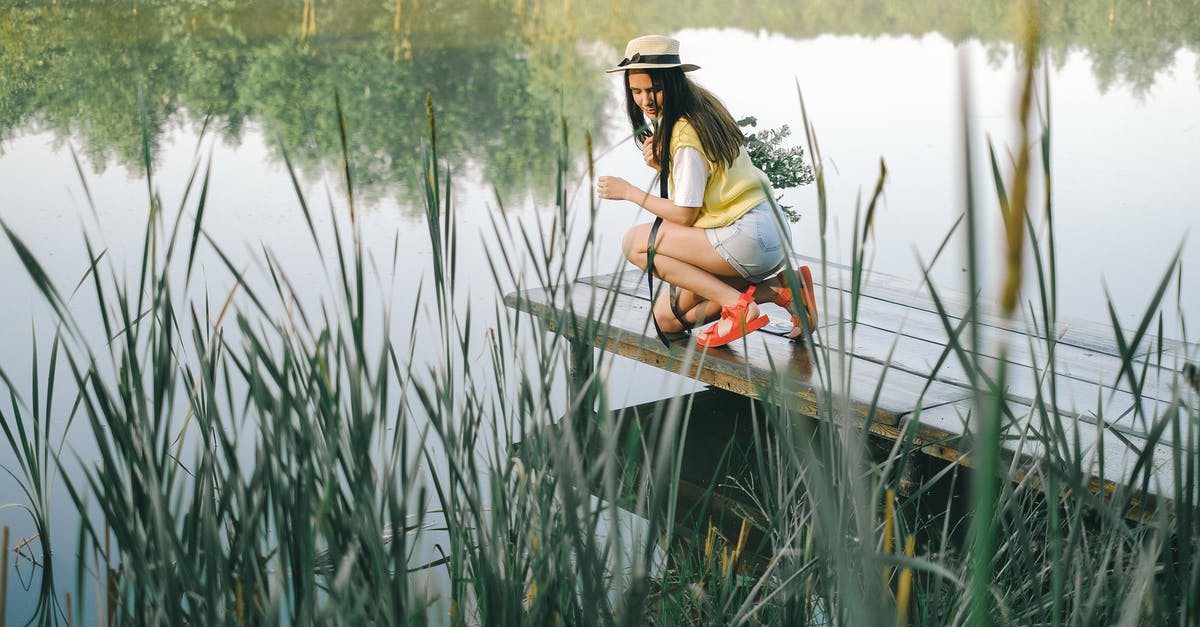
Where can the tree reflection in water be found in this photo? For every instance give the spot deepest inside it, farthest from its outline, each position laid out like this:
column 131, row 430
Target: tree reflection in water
column 502, row 75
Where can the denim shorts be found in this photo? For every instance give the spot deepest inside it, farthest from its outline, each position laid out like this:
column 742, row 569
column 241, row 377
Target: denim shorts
column 754, row 243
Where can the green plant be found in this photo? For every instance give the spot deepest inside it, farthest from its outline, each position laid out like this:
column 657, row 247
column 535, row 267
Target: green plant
column 785, row 167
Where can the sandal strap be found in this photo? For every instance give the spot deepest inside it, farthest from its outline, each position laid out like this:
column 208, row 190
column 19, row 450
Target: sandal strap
column 737, row 315
column 738, row 312
column 784, row 299
column 747, row 297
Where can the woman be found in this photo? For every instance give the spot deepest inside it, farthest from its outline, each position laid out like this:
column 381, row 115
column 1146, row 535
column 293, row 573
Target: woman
column 719, row 238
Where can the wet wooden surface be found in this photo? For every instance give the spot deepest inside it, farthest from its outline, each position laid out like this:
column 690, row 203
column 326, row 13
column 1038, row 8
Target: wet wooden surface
column 899, row 367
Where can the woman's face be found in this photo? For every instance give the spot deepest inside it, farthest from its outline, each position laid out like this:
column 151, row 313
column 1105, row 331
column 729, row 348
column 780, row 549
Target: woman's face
column 646, row 96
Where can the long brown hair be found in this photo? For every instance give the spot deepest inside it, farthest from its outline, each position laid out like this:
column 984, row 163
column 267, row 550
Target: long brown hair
column 720, row 137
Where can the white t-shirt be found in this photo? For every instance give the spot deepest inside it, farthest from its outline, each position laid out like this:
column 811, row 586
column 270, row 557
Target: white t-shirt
column 689, row 170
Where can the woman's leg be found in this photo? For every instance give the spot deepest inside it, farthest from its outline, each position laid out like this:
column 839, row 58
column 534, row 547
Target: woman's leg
column 688, row 310
column 804, row 299
column 684, row 257
column 697, row 310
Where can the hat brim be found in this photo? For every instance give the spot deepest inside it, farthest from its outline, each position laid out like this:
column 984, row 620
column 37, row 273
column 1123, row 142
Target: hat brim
column 686, row 67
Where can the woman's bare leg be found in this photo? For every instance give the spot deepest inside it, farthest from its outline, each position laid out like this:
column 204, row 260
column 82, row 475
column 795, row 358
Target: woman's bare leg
column 694, row 310
column 685, row 258
column 697, row 310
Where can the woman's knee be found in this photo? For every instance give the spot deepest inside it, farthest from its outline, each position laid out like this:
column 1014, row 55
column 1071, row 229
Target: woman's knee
column 634, row 245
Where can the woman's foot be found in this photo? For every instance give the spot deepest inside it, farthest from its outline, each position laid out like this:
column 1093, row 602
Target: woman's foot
column 808, row 296
column 736, row 321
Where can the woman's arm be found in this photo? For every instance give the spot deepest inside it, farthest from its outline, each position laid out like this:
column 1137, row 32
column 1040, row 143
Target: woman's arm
column 691, row 177
column 617, row 188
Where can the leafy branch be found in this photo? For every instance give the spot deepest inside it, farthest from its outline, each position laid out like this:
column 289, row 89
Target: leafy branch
column 785, row 167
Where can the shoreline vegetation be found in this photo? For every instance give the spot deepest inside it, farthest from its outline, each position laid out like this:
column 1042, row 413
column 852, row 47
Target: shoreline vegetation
column 260, row 461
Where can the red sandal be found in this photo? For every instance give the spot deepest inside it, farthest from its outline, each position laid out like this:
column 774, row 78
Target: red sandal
column 807, row 296
column 736, row 314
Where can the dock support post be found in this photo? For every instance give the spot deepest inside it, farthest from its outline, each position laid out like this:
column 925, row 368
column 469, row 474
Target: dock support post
column 579, row 375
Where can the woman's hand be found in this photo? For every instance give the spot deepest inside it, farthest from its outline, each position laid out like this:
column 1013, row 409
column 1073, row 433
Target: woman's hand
column 648, row 154
column 614, row 188
column 617, row 188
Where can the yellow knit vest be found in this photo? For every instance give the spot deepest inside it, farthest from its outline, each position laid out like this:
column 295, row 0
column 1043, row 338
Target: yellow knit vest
column 730, row 192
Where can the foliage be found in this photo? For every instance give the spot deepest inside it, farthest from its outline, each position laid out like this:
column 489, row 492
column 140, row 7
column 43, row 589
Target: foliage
column 785, row 167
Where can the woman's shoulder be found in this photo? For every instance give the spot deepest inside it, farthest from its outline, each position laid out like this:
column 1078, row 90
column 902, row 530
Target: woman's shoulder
column 684, row 130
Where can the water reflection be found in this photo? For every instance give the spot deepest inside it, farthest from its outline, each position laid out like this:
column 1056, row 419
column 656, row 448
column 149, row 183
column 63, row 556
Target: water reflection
column 501, row 73
column 499, row 88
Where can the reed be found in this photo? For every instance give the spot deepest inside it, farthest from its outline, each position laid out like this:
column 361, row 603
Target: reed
column 4, row 575
column 27, row 428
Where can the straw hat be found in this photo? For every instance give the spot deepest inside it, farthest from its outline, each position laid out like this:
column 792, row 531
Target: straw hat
column 651, row 52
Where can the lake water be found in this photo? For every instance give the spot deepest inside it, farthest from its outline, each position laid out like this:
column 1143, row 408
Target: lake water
column 880, row 80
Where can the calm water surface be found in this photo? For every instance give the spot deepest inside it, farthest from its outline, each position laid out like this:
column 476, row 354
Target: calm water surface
column 880, row 80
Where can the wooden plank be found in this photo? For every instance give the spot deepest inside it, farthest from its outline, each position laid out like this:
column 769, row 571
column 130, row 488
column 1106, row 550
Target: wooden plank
column 1082, row 389
column 763, row 365
column 899, row 346
column 911, row 295
column 889, row 301
column 1071, row 361
column 1109, row 460
column 1089, row 401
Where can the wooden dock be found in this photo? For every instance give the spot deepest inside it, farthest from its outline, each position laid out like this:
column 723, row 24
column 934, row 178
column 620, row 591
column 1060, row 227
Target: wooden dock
column 896, row 369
